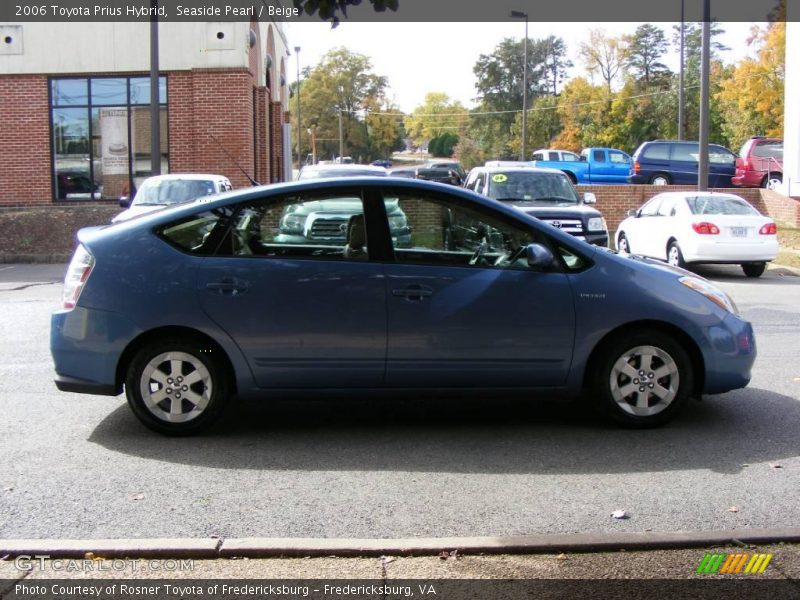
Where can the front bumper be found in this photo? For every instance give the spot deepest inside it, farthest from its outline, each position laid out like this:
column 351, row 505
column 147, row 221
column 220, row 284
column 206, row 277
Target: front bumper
column 730, row 355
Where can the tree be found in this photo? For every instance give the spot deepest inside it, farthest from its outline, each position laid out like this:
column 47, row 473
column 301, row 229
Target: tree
column 556, row 63
column 583, row 109
column 343, row 85
column 469, row 153
column 604, row 55
column 443, row 145
column 643, row 52
column 752, row 99
column 329, row 10
column 438, row 114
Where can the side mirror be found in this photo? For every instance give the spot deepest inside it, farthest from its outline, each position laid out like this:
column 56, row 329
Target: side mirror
column 124, row 201
column 589, row 198
column 632, row 212
column 539, row 257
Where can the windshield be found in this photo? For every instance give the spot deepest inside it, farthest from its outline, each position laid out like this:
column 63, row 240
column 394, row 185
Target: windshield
column 719, row 205
column 543, row 188
column 172, row 191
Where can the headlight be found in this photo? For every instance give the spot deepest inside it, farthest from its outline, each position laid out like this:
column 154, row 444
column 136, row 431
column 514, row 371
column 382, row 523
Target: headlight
column 293, row 223
column 597, row 224
column 397, row 222
column 716, row 295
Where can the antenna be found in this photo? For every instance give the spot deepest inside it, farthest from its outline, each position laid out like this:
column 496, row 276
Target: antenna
column 233, row 160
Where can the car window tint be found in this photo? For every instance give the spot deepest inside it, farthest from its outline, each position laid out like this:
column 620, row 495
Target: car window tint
column 439, row 232
column 686, row 152
column 656, row 152
column 304, row 225
column 719, row 205
column 651, row 208
column 599, row 156
column 199, row 233
column 553, row 155
column 769, row 149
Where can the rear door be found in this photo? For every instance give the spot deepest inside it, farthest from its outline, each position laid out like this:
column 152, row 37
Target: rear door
column 684, row 159
column 721, row 166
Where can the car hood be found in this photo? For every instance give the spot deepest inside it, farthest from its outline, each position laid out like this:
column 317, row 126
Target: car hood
column 538, row 210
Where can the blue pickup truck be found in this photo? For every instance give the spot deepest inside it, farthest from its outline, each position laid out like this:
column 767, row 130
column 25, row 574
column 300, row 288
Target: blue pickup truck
column 594, row 165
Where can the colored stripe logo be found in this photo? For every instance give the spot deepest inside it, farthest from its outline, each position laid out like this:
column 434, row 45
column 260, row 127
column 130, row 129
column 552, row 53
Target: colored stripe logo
column 735, row 564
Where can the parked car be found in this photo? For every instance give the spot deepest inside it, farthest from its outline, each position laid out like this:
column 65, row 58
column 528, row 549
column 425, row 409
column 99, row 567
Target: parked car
column 443, row 163
column 443, row 171
column 555, row 155
column 666, row 162
column 596, row 165
column 324, row 170
column 700, row 227
column 760, row 163
column 76, row 185
column 385, row 163
column 547, row 194
column 163, row 190
column 213, row 304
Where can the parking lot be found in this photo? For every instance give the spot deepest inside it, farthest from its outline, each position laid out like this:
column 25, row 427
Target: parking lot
column 81, row 466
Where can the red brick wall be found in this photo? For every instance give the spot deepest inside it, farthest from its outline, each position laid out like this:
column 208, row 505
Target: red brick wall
column 24, row 141
column 276, row 143
column 211, row 123
column 781, row 208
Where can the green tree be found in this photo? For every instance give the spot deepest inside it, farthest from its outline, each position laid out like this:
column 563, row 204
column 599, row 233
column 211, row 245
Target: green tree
column 643, row 52
column 329, row 10
column 469, row 153
column 342, row 86
column 603, row 55
column 438, row 114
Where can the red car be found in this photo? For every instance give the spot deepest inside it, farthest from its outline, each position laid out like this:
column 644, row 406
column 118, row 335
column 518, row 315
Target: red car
column 760, row 163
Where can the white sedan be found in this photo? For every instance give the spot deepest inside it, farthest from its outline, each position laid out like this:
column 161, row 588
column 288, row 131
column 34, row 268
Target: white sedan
column 700, row 227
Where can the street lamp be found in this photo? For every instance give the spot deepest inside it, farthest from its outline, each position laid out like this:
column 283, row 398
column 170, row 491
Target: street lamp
column 516, row 14
column 297, row 60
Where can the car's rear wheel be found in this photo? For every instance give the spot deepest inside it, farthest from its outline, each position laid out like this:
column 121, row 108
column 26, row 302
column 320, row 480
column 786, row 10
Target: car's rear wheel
column 660, row 179
column 176, row 386
column 622, row 244
column 643, row 379
column 754, row 269
column 675, row 256
column 772, row 181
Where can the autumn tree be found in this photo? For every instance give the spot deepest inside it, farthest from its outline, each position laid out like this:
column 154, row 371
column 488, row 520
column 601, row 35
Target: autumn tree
column 752, row 99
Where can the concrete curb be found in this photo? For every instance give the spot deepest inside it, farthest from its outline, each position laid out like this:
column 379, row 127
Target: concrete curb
column 210, row 548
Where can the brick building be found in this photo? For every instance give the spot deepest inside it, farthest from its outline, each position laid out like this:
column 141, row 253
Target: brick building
column 75, row 106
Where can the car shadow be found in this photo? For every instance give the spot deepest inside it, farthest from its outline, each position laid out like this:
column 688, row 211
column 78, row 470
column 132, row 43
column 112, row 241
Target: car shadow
column 721, row 433
column 733, row 273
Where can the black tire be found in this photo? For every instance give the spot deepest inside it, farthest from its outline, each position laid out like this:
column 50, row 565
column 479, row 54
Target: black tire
column 675, row 256
column 754, row 269
column 659, row 177
column 770, row 181
column 664, row 396
column 622, row 244
column 155, row 392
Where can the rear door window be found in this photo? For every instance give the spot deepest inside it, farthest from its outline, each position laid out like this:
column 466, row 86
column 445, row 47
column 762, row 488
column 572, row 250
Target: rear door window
column 656, row 152
column 685, row 152
column 599, row 156
column 769, row 149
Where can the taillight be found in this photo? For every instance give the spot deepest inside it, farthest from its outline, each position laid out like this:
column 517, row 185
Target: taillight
column 80, row 267
column 636, row 167
column 705, row 228
column 768, row 229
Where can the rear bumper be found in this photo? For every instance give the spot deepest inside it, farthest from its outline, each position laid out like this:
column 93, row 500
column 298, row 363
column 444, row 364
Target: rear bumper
column 726, row 252
column 82, row 386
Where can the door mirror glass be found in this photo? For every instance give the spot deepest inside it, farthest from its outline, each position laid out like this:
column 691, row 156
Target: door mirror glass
column 539, row 257
column 589, row 198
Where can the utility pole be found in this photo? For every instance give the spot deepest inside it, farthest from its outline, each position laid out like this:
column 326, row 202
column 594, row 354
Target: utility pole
column 705, row 57
column 297, row 59
column 155, row 106
column 516, row 14
column 681, row 98
column 341, row 137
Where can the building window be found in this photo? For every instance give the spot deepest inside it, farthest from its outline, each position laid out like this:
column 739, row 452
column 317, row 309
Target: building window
column 100, row 131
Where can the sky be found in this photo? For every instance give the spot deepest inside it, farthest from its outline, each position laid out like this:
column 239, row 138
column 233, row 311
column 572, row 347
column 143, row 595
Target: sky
column 419, row 58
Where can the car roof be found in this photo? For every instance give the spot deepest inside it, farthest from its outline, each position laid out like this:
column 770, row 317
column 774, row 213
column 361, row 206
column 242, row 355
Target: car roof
column 177, row 176
column 695, row 193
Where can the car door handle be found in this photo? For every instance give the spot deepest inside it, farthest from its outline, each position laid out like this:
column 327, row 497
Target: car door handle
column 228, row 287
column 413, row 293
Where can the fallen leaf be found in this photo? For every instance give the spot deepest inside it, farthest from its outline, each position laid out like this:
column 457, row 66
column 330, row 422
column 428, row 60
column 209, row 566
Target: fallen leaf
column 733, row 509
column 444, row 555
column 89, row 556
column 561, row 556
column 619, row 514
column 137, row 497
column 775, row 466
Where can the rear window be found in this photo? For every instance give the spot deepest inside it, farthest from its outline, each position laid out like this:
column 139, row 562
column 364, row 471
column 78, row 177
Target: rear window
column 769, row 149
column 656, row 152
column 719, row 205
column 173, row 191
column 686, row 152
column 200, row 233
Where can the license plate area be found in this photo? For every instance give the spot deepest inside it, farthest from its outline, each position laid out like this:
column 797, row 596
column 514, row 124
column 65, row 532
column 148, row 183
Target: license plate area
column 739, row 232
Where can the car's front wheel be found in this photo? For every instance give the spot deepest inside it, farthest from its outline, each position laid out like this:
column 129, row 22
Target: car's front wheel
column 754, row 269
column 643, row 379
column 177, row 386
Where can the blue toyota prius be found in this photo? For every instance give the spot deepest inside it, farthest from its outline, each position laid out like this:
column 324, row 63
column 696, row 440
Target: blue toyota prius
column 377, row 284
